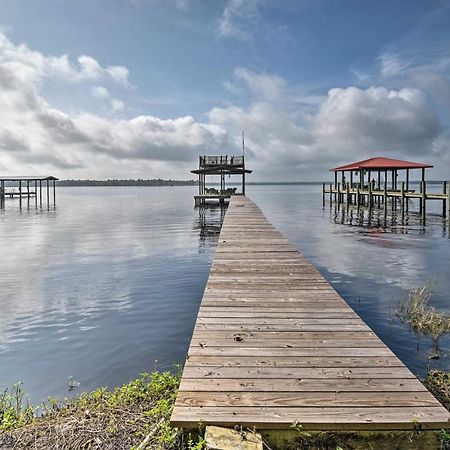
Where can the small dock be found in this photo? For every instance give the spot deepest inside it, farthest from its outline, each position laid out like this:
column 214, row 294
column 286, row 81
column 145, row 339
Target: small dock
column 28, row 187
column 274, row 344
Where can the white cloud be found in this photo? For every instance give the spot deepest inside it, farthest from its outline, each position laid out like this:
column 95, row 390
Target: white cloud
column 117, row 105
column 35, row 65
column 263, row 85
column 100, row 92
column 285, row 139
column 35, row 136
column 349, row 124
column 119, row 74
column 236, row 17
column 377, row 120
column 392, row 64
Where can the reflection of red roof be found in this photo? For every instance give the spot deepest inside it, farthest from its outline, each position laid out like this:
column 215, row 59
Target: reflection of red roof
column 381, row 163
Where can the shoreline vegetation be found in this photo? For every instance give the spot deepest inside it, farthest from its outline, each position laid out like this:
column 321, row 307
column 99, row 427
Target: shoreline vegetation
column 136, row 416
column 133, row 416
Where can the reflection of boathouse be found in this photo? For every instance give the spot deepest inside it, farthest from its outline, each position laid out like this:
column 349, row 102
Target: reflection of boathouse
column 219, row 166
column 379, row 180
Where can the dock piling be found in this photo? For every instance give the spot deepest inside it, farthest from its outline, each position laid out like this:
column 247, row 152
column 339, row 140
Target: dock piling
column 423, row 192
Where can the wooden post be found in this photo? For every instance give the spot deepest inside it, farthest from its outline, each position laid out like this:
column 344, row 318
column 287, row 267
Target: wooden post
column 421, row 197
column 339, row 193
column 361, row 186
column 54, row 194
column 444, row 202
column 424, row 198
column 448, row 204
column 40, row 193
column 358, row 195
column 48, row 195
column 243, row 181
column 323, row 194
column 335, row 184
column 370, row 199
column 20, row 193
column 403, row 196
column 407, row 179
column 385, row 197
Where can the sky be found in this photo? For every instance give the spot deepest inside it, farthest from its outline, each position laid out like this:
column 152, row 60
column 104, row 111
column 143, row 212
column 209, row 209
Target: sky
column 139, row 88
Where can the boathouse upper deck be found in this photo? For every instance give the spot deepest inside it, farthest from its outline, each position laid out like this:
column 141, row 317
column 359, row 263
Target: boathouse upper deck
column 221, row 166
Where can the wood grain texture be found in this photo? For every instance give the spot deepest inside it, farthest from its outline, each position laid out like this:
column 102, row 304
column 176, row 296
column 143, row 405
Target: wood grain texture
column 275, row 344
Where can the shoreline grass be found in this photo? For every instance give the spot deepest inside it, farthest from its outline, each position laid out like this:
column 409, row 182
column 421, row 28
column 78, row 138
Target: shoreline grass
column 133, row 416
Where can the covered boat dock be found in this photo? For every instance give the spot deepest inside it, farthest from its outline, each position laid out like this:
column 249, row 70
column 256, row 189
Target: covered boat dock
column 221, row 166
column 378, row 180
column 28, row 187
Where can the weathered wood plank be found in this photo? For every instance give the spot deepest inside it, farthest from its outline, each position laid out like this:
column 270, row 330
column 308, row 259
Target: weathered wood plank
column 303, row 385
column 310, row 351
column 306, row 399
column 315, row 373
column 315, row 418
column 295, row 361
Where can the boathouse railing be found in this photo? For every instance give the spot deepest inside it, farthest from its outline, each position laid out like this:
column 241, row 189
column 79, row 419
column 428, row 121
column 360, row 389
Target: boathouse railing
column 221, row 160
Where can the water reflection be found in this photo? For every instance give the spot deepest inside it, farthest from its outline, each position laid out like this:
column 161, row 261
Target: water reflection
column 209, row 224
column 387, row 220
column 98, row 293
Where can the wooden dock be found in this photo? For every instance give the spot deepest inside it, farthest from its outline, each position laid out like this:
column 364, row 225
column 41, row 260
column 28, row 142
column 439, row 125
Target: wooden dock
column 274, row 345
column 370, row 197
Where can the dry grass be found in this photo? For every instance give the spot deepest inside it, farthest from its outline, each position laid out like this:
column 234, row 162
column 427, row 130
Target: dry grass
column 134, row 416
column 420, row 316
column 438, row 382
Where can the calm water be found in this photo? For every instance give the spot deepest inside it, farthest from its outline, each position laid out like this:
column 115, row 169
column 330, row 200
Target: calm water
column 108, row 285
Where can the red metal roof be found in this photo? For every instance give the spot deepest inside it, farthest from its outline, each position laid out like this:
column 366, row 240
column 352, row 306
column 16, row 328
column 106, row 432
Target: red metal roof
column 381, row 163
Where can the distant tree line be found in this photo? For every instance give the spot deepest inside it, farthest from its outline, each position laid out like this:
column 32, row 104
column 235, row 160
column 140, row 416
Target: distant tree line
column 129, row 182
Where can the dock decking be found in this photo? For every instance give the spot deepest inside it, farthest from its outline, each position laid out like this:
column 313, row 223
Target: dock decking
column 274, row 345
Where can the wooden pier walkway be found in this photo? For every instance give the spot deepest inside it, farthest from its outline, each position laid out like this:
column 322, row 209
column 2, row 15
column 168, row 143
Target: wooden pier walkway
column 274, row 345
